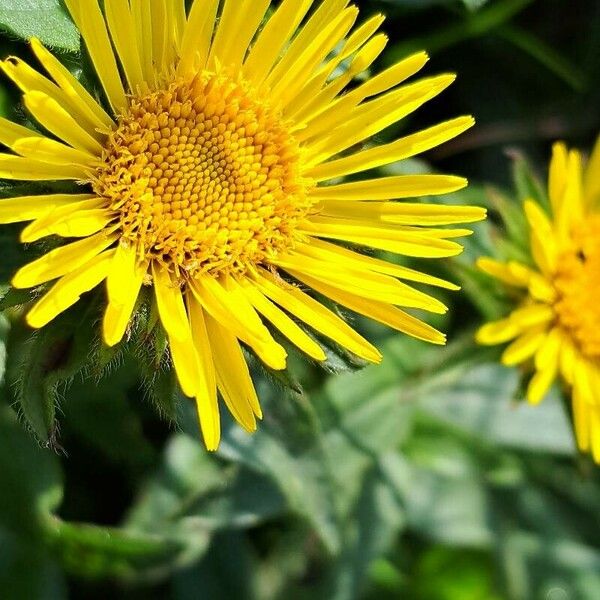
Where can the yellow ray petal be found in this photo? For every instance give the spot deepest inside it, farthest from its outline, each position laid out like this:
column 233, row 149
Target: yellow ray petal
column 546, row 362
column 51, row 115
column 27, row 208
column 273, row 37
column 285, row 84
column 237, row 26
column 53, row 152
column 186, row 364
column 197, row 37
column 344, row 256
column 497, row 332
column 10, row 133
column 393, row 187
column 68, row 290
column 84, row 103
column 89, row 20
column 397, row 240
column 60, row 261
column 543, row 245
column 404, row 213
column 373, row 286
column 122, row 30
column 227, row 304
column 19, row 168
column 80, row 219
column 233, row 376
column 342, row 130
column 379, row 311
column 141, row 11
column 500, row 271
column 206, row 395
column 324, row 13
column 170, row 306
column 524, row 347
column 315, row 96
column 532, row 315
column 591, row 183
column 123, row 285
column 280, row 320
column 316, row 315
column 405, row 147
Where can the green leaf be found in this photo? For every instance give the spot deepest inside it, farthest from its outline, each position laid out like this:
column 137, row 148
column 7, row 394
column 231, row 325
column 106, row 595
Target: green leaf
column 99, row 552
column 289, row 449
column 44, row 19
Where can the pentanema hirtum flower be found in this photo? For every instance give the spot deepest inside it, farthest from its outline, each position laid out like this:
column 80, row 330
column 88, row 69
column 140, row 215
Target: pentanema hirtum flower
column 213, row 170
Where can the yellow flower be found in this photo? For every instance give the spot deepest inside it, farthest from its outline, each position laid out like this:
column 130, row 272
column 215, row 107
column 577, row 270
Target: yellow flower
column 214, row 174
column 557, row 323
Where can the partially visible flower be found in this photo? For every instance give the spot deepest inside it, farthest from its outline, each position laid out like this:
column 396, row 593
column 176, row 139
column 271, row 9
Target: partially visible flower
column 555, row 328
column 213, row 173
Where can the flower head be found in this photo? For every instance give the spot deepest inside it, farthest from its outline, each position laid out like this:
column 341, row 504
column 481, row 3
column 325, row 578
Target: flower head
column 213, row 173
column 555, row 327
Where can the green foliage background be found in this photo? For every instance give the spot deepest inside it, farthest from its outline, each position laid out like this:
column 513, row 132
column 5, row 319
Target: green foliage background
column 425, row 478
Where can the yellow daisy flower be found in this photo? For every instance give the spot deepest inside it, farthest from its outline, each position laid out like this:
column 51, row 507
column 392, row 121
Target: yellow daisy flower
column 213, row 173
column 556, row 325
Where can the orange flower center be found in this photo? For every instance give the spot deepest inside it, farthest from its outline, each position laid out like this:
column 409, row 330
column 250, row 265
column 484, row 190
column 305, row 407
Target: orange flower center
column 578, row 285
column 204, row 177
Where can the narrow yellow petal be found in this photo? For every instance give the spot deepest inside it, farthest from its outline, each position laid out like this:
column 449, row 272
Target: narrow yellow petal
column 388, row 153
column 228, row 305
column 532, row 315
column 582, row 421
column 60, row 261
column 497, row 332
column 123, row 284
column 197, row 37
column 206, row 394
column 273, row 37
column 500, row 271
column 524, row 347
column 90, row 21
column 53, row 152
column 233, row 376
column 19, row 168
column 73, row 220
column 322, row 16
column 85, row 104
column 186, row 363
column 362, row 282
column 236, row 30
column 10, row 133
column 344, row 256
column 379, row 311
column 336, row 131
column 285, row 84
column 404, row 213
column 316, row 315
column 27, row 208
column 546, row 364
column 397, row 240
column 170, row 306
column 283, row 323
column 591, row 184
column 542, row 237
column 51, row 115
column 68, row 290
column 393, row 187
column 122, row 30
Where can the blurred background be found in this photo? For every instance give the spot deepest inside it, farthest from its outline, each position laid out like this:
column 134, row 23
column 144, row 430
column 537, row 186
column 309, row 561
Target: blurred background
column 425, row 478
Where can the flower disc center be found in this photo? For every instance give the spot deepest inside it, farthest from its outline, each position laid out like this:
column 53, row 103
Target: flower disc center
column 578, row 284
column 204, row 177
